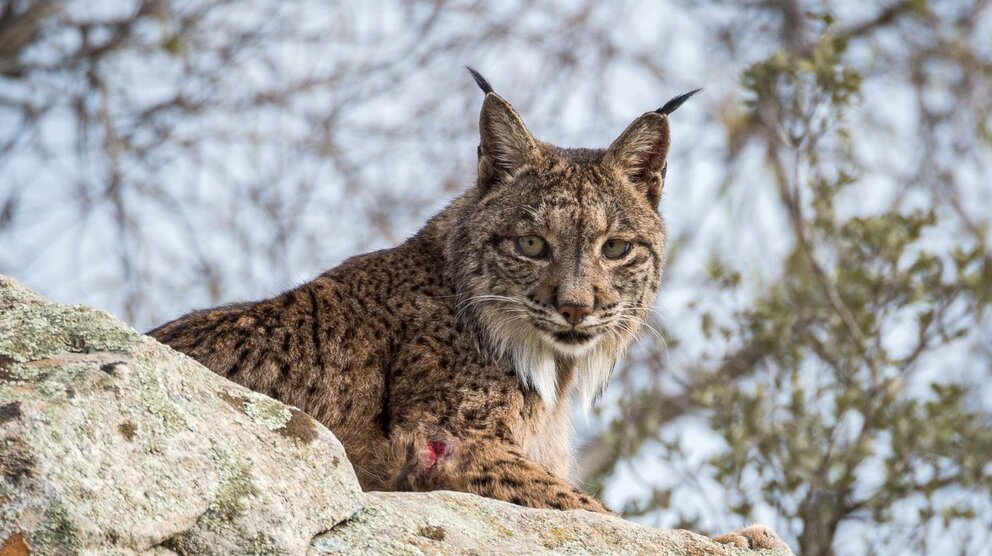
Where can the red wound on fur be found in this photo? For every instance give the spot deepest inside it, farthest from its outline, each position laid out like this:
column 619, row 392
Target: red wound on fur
column 436, row 449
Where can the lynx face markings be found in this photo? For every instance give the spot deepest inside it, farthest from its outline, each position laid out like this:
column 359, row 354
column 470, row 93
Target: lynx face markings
column 559, row 253
column 575, row 208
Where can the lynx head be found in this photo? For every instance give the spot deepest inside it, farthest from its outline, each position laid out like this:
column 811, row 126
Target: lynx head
column 557, row 253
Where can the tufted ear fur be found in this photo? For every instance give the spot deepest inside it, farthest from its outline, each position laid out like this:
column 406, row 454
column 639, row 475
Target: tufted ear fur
column 641, row 152
column 505, row 144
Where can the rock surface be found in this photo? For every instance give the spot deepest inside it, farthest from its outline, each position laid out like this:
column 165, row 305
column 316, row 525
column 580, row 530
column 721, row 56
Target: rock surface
column 109, row 439
column 457, row 523
column 113, row 443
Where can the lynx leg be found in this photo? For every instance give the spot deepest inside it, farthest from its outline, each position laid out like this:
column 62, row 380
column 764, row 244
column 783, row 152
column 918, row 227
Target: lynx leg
column 486, row 467
column 752, row 537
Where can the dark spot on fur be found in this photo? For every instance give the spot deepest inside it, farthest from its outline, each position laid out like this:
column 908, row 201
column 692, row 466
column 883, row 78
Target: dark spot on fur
column 511, row 482
column 433, row 532
column 10, row 411
column 127, row 430
column 301, row 427
column 482, row 481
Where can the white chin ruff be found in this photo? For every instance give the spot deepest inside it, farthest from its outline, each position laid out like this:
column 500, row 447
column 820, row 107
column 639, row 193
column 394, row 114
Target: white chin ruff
column 535, row 360
column 535, row 363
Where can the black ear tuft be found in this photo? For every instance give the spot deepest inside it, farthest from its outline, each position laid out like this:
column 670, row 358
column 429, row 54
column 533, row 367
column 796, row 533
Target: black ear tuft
column 672, row 105
column 480, row 81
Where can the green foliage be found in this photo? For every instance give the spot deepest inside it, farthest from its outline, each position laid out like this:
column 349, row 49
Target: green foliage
column 829, row 404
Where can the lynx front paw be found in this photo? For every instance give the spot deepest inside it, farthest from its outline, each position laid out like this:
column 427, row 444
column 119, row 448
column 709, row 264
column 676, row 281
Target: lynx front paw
column 753, row 537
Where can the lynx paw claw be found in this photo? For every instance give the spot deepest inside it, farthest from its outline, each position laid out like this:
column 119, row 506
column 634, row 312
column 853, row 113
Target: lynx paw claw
column 753, row 537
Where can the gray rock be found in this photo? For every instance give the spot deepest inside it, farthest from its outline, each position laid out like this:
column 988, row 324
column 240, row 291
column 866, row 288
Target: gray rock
column 457, row 523
column 112, row 443
column 110, row 440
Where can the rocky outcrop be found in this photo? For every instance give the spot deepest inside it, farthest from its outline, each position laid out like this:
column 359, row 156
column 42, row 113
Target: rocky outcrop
column 110, row 439
column 113, row 443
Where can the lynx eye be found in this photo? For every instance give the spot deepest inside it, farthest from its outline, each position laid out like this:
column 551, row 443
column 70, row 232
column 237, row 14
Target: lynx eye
column 615, row 248
column 532, row 246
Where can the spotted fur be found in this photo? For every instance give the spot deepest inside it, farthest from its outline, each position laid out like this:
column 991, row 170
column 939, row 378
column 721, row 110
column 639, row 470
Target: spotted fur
column 447, row 362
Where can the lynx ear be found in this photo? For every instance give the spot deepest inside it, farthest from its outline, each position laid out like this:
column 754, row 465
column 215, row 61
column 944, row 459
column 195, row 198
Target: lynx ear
column 505, row 144
column 641, row 151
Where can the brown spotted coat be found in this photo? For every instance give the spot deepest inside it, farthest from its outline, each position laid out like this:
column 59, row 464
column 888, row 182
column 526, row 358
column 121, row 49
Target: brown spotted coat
column 447, row 362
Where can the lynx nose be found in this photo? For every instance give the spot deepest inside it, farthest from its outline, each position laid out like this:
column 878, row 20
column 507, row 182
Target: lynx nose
column 573, row 312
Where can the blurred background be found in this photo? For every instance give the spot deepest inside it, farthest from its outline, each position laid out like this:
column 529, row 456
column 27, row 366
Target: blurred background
column 821, row 356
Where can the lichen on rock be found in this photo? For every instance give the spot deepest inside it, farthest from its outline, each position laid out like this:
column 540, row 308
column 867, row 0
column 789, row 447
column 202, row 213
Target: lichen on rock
column 40, row 331
column 267, row 412
column 110, row 441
